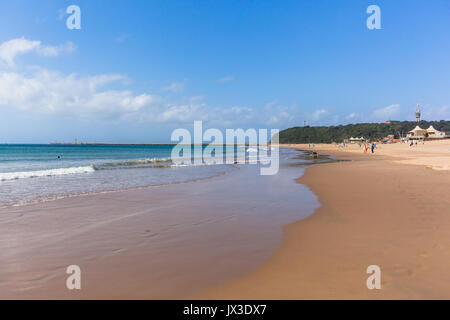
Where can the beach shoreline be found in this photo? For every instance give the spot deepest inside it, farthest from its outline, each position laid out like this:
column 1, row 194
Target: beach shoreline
column 166, row 242
column 374, row 211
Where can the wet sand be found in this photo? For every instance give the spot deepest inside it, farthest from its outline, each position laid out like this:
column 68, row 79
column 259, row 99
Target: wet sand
column 155, row 243
column 376, row 210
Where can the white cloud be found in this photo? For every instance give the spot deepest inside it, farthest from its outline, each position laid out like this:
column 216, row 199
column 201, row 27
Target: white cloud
column 387, row 113
column 51, row 92
column 175, row 87
column 98, row 81
column 436, row 113
column 44, row 91
column 319, row 114
column 53, row 51
column 351, row 116
column 275, row 114
column 196, row 98
column 12, row 48
column 182, row 113
column 226, row 79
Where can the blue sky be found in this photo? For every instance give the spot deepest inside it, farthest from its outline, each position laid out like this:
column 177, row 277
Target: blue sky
column 139, row 69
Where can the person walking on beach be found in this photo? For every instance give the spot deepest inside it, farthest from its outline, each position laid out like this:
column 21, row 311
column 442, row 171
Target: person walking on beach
column 373, row 147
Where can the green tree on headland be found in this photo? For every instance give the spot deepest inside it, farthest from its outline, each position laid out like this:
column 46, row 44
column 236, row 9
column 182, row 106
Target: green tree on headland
column 371, row 131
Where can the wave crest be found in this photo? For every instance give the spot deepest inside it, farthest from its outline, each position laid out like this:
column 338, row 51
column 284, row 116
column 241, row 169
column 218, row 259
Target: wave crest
column 44, row 173
column 135, row 162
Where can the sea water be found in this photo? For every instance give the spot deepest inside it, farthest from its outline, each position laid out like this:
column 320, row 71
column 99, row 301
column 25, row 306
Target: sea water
column 30, row 173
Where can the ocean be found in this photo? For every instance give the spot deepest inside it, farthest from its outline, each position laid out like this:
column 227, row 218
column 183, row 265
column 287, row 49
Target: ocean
column 33, row 173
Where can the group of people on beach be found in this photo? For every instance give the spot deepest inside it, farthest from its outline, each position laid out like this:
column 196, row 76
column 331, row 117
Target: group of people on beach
column 412, row 143
column 366, row 146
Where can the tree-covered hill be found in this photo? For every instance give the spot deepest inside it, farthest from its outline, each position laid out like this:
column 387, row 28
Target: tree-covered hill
column 367, row 130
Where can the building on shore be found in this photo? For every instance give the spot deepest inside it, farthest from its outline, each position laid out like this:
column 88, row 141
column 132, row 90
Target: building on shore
column 431, row 133
column 417, row 133
column 420, row 134
column 356, row 140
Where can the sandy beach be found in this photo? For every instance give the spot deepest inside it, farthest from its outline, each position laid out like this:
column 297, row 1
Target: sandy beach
column 390, row 209
column 245, row 236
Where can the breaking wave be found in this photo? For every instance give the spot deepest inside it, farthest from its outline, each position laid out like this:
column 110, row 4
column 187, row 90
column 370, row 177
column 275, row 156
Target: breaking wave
column 136, row 162
column 126, row 164
column 4, row 176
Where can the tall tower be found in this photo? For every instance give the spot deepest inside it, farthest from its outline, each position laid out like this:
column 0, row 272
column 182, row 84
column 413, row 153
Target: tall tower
column 418, row 113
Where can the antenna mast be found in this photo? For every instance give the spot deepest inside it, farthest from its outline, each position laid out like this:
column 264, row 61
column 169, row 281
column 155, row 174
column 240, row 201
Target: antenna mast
column 418, row 113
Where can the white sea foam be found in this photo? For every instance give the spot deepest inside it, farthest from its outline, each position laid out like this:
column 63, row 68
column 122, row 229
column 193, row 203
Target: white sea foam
column 259, row 148
column 136, row 162
column 44, row 173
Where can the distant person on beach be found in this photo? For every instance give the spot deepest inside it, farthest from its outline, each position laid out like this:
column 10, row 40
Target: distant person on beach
column 373, row 147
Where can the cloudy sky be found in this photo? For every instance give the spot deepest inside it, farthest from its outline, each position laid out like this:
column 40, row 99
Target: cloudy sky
column 136, row 70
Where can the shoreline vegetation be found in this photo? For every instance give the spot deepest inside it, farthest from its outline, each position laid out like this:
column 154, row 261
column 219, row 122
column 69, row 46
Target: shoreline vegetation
column 370, row 131
column 387, row 209
column 316, row 134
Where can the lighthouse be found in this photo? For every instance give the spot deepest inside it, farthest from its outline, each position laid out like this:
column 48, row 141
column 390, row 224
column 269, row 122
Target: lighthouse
column 418, row 114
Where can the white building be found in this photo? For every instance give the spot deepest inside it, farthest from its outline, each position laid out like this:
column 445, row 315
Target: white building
column 419, row 133
column 356, row 140
column 433, row 133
